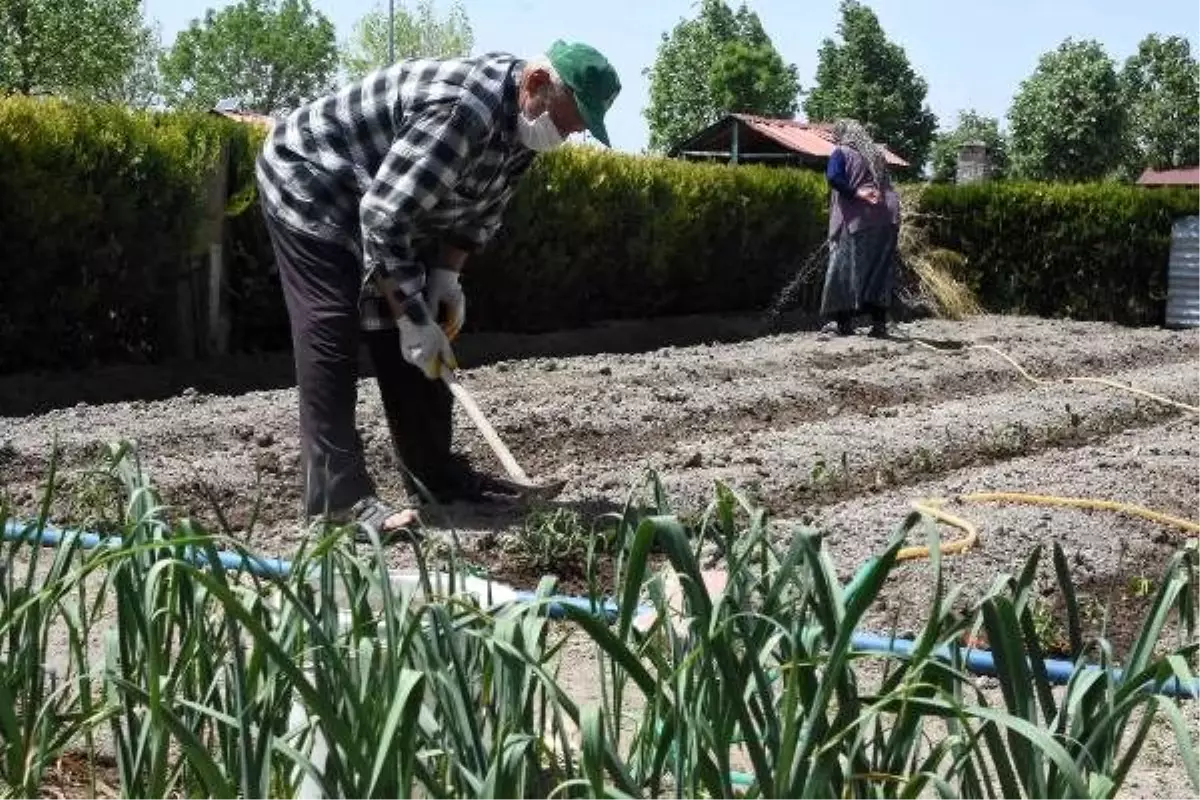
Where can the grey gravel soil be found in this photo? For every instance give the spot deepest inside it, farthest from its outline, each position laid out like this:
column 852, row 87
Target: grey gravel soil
column 841, row 434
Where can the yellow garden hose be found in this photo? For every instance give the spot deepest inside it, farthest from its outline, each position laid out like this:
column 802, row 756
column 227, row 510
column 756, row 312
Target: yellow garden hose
column 1036, row 381
column 945, row 548
column 1083, row 502
column 971, row 537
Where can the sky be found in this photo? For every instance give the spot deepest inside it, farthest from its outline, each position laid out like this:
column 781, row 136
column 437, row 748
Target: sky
column 971, row 58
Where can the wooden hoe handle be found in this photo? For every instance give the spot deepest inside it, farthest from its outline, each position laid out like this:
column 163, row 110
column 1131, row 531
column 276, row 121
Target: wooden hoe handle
column 489, row 433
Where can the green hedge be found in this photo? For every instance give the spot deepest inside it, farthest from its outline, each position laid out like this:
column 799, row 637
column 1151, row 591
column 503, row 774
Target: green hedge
column 105, row 203
column 1086, row 251
column 99, row 208
column 593, row 236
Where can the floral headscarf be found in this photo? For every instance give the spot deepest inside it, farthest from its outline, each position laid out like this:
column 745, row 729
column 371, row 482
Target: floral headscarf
column 850, row 133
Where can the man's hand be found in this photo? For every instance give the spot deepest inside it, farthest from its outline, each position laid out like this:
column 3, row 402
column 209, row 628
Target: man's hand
column 446, row 300
column 422, row 343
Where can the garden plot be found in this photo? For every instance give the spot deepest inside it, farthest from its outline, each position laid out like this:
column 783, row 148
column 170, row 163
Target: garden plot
column 842, row 435
column 846, row 432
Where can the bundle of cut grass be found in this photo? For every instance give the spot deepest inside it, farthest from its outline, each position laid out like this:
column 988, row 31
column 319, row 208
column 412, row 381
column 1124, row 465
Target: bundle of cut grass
column 927, row 277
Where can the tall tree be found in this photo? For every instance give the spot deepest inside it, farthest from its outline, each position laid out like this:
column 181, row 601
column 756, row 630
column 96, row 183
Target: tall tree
column 681, row 100
column 870, row 79
column 141, row 87
column 419, row 33
column 706, row 67
column 1160, row 84
column 749, row 75
column 269, row 55
column 1068, row 121
column 972, row 127
column 82, row 48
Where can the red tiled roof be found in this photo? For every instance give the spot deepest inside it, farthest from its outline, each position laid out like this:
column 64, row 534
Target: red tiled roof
column 1185, row 176
column 811, row 138
column 247, row 117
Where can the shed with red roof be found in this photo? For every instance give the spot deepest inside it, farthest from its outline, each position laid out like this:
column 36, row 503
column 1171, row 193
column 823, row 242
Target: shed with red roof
column 748, row 138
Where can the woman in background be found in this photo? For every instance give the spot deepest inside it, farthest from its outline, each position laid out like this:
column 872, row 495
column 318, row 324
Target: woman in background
column 864, row 226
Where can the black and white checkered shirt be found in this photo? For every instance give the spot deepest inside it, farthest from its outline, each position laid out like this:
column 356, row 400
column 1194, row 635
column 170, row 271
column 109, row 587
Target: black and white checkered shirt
column 419, row 152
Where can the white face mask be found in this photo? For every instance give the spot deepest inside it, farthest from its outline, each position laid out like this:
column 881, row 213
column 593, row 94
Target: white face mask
column 538, row 134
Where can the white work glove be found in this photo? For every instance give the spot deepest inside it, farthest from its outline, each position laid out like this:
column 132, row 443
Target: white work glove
column 446, row 300
column 423, row 344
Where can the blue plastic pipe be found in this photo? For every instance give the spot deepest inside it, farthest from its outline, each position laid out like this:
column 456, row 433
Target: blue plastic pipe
column 262, row 567
column 235, row 562
column 980, row 662
column 557, row 603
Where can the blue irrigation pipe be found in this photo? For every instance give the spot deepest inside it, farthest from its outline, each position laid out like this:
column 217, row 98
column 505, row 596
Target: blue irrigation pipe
column 979, row 662
column 557, row 603
column 235, row 562
column 982, row 662
column 50, row 536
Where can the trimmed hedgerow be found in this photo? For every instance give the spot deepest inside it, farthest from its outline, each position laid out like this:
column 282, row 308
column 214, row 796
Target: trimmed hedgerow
column 593, row 236
column 102, row 207
column 1087, row 251
column 100, row 211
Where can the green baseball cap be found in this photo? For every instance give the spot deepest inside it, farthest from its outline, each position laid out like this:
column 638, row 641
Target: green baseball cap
column 591, row 78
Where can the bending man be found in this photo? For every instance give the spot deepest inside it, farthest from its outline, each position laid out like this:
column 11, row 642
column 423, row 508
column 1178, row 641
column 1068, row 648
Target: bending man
column 374, row 197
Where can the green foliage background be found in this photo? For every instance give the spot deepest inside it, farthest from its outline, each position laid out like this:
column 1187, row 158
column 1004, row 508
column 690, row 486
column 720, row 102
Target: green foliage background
column 1069, row 122
column 716, row 63
column 268, row 55
column 972, row 127
column 1088, row 251
column 869, row 78
column 100, row 210
column 420, row 32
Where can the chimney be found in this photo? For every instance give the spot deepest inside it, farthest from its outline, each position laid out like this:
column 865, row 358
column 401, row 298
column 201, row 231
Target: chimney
column 974, row 165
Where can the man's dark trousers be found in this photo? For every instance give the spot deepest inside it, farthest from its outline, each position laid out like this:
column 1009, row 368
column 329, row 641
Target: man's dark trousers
column 321, row 284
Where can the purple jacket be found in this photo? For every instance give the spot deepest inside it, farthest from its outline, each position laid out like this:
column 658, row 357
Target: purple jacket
column 846, row 173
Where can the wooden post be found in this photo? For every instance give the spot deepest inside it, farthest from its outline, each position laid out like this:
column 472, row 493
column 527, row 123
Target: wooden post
column 734, row 147
column 218, row 323
column 212, row 242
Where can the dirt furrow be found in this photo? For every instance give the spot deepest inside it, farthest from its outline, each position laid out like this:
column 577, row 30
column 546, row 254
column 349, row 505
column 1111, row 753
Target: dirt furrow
column 1116, row 558
column 639, row 404
column 792, row 469
column 775, row 414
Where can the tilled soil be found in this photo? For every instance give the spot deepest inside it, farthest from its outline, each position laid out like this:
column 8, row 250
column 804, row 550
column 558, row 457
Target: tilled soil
column 841, row 434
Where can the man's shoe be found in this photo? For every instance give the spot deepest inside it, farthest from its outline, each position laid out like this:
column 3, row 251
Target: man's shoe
column 460, row 483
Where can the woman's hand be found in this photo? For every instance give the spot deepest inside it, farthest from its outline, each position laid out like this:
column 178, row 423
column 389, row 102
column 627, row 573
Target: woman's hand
column 868, row 193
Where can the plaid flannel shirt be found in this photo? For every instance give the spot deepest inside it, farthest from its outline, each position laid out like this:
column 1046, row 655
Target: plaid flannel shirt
column 422, row 152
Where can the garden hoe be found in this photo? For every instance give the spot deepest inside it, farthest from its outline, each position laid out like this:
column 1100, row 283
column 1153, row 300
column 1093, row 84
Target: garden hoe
column 519, row 481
